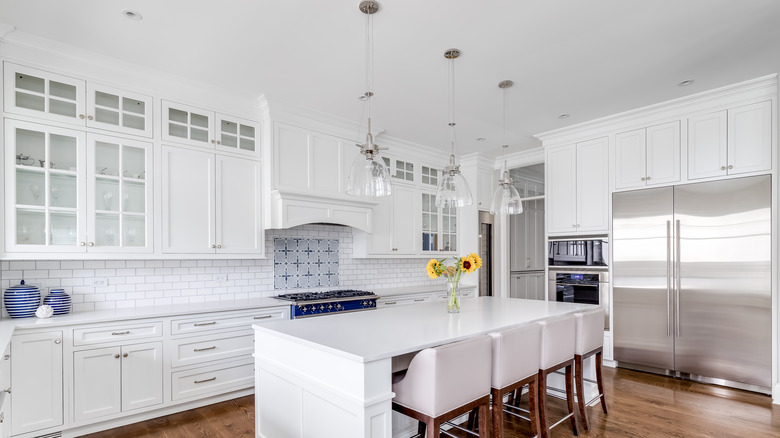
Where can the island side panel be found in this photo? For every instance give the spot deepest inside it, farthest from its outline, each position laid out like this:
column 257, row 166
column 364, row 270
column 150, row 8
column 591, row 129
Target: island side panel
column 303, row 390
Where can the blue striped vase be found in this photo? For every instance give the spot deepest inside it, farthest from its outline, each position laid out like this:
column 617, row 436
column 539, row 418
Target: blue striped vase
column 59, row 301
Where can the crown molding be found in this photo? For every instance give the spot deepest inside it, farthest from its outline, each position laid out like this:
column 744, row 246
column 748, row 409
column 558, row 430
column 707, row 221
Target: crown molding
column 762, row 87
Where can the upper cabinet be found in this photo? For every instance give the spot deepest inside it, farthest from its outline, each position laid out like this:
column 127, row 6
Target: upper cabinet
column 734, row 141
column 199, row 127
column 67, row 191
column 577, row 187
column 35, row 93
column 648, row 156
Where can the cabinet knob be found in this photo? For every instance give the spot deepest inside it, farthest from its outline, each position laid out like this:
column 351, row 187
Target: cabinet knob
column 116, row 356
column 82, row 243
column 219, row 246
column 91, row 243
column 648, row 178
column 81, row 116
column 219, row 142
column 730, row 166
column 90, row 118
column 213, row 246
column 722, row 167
column 213, row 141
column 573, row 226
column 58, row 341
column 8, row 390
column 643, row 178
column 124, row 355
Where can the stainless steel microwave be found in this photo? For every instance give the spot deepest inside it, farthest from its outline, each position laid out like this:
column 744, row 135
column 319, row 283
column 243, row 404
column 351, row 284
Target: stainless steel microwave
column 591, row 252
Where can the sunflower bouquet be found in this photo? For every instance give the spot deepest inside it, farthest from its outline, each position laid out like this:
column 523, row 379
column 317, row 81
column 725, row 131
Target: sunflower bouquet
column 468, row 264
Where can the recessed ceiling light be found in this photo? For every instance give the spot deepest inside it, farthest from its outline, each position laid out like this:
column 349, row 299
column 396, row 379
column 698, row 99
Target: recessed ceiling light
column 132, row 15
column 564, row 116
column 480, row 138
column 685, row 83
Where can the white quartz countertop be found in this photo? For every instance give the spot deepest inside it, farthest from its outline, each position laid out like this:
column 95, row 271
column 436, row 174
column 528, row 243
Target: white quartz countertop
column 382, row 333
column 8, row 325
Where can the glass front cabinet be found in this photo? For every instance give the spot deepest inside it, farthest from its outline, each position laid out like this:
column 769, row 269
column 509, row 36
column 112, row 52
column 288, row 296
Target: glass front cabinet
column 67, row 191
column 439, row 225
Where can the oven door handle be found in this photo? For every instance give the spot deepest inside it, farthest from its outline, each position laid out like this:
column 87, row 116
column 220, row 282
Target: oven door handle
column 578, row 284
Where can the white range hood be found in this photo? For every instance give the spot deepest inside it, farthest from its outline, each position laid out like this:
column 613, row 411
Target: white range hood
column 291, row 209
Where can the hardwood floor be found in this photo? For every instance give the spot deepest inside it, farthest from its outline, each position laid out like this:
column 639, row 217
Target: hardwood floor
column 640, row 405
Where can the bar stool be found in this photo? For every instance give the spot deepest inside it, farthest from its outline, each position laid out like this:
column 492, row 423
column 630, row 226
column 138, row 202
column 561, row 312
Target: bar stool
column 516, row 354
column 557, row 351
column 445, row 382
column 589, row 341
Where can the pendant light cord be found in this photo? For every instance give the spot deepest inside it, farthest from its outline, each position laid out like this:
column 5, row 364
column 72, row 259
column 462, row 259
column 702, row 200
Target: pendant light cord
column 451, row 103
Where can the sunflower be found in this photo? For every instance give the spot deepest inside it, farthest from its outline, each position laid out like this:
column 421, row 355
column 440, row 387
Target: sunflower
column 433, row 268
column 468, row 264
column 477, row 259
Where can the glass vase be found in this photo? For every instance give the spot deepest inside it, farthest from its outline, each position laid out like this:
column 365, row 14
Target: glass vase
column 453, row 301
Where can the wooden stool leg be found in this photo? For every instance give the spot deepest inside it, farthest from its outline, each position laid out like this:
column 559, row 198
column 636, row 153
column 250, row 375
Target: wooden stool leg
column 544, row 428
column 432, row 428
column 498, row 414
column 578, row 382
column 533, row 409
column 472, row 418
column 421, row 428
column 600, row 383
column 482, row 420
column 570, row 398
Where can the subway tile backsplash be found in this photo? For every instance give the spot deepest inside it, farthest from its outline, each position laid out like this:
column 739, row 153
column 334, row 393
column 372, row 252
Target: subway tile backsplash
column 139, row 283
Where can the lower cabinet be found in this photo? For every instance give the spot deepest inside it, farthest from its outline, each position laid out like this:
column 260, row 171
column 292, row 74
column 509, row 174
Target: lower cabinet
column 116, row 379
column 36, row 381
column 203, row 381
column 529, row 286
column 423, row 297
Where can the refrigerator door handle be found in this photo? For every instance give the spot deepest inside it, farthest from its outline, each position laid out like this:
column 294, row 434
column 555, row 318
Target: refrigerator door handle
column 678, row 285
column 668, row 278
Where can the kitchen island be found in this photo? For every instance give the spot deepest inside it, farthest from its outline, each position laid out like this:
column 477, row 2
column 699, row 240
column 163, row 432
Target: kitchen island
column 331, row 376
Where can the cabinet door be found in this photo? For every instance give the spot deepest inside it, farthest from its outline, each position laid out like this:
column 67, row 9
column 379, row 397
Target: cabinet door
column 188, row 201
column 119, row 195
column 45, row 188
column 663, row 153
column 750, row 138
column 430, row 218
column 518, row 286
column 518, row 244
column 380, row 239
column 97, row 389
column 187, row 125
column 561, row 185
column 36, row 381
column 536, row 234
column 238, row 135
column 630, row 156
column 404, row 229
column 119, row 111
column 707, row 145
column 486, row 184
column 36, row 93
column 592, row 185
column 238, row 221
column 142, row 370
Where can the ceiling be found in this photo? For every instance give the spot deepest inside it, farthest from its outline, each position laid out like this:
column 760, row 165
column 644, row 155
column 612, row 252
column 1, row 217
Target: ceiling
column 586, row 58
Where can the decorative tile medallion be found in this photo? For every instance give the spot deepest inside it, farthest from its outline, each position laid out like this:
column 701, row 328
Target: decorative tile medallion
column 305, row 263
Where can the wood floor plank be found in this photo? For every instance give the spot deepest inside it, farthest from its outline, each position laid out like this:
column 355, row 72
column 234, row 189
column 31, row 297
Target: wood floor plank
column 641, row 405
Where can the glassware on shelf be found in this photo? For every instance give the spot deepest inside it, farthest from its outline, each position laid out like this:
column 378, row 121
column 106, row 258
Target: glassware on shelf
column 36, row 191
column 24, row 233
column 55, row 192
column 107, row 197
column 110, row 235
column 131, row 235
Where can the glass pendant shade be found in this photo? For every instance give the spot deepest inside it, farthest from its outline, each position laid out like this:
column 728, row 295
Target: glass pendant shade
column 368, row 177
column 506, row 200
column 453, row 191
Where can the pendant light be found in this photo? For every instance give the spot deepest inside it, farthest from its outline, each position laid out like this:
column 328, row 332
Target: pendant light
column 368, row 176
column 506, row 199
column 452, row 191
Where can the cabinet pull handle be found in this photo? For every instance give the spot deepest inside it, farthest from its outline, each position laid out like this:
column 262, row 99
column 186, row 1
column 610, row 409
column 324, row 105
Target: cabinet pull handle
column 125, row 355
column 389, row 302
column 263, row 317
column 213, row 246
column 82, row 243
column 206, row 380
column 81, row 116
column 219, row 142
column 419, row 299
column 212, row 142
column 58, row 341
column 643, row 178
column 213, row 347
column 722, row 167
column 116, row 356
column 126, row 332
column 8, row 390
column 91, row 243
column 201, row 324
column 648, row 178
column 90, row 118
column 219, row 246
column 730, row 166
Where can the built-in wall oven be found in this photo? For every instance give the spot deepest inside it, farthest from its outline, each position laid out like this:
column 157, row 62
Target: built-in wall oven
column 578, row 272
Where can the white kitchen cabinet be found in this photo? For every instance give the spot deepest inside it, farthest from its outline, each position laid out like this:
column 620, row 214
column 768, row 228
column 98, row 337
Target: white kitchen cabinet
column 730, row 142
column 486, row 184
column 116, row 379
column 648, row 156
column 528, row 286
column 439, row 228
column 400, row 170
column 527, row 238
column 5, row 394
column 577, row 187
column 70, row 192
column 393, row 230
column 204, row 128
column 36, row 381
column 211, row 203
column 59, row 98
column 403, row 299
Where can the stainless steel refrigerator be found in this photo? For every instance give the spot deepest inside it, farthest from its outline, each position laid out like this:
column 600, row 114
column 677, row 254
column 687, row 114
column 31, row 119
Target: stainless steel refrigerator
column 692, row 280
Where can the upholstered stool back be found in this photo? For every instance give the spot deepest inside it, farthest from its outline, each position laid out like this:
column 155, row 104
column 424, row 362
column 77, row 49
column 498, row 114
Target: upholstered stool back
column 516, row 354
column 557, row 341
column 589, row 331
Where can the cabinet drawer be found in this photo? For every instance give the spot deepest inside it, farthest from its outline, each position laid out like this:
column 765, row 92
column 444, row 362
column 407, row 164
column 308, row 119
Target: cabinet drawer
column 116, row 333
column 203, row 381
column 213, row 347
column 225, row 320
column 402, row 300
